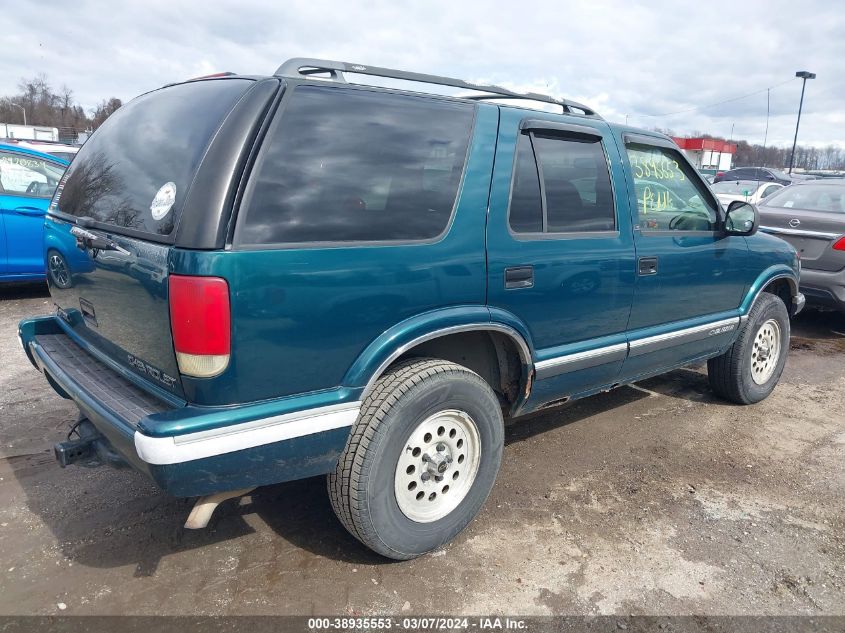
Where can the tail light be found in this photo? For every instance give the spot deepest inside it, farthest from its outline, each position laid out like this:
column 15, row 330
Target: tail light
column 201, row 324
column 840, row 244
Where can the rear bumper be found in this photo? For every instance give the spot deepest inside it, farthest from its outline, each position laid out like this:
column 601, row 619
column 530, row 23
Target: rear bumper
column 190, row 450
column 824, row 288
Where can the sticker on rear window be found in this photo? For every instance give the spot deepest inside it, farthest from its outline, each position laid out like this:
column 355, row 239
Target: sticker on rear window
column 163, row 201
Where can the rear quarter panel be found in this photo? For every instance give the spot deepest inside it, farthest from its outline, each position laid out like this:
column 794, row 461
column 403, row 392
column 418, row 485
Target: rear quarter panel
column 302, row 316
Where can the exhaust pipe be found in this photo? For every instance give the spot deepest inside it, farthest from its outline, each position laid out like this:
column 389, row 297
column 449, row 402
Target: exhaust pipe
column 205, row 506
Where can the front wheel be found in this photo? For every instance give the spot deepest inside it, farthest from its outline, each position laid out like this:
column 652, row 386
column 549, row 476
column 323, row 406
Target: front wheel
column 750, row 369
column 420, row 460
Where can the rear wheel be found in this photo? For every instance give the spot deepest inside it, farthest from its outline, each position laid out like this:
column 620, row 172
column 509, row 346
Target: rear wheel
column 750, row 369
column 420, row 460
column 57, row 269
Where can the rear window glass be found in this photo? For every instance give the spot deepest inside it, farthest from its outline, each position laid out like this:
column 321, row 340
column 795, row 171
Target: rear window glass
column 347, row 165
column 811, row 197
column 135, row 171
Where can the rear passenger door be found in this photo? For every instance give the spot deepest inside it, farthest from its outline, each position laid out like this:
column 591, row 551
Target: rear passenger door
column 691, row 276
column 559, row 246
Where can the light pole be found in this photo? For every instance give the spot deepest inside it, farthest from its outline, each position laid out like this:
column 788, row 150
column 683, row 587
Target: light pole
column 15, row 105
column 805, row 75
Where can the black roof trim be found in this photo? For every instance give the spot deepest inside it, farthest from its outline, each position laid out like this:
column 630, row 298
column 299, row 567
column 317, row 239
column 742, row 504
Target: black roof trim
column 303, row 67
column 646, row 138
column 543, row 125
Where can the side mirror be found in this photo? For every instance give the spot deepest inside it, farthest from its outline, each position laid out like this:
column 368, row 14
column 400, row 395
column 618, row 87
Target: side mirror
column 742, row 218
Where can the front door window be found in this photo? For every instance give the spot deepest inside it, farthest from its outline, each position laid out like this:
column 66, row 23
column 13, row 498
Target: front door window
column 669, row 196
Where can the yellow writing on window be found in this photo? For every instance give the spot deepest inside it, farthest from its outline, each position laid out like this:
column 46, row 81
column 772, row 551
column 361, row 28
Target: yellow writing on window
column 652, row 201
column 656, row 167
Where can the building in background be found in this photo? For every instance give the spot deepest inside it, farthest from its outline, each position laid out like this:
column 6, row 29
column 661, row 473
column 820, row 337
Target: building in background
column 29, row 132
column 707, row 154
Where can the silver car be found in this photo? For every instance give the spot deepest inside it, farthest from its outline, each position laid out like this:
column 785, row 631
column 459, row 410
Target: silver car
column 810, row 215
column 752, row 191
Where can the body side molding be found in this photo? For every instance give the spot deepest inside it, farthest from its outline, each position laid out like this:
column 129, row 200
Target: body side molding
column 679, row 337
column 555, row 366
column 581, row 360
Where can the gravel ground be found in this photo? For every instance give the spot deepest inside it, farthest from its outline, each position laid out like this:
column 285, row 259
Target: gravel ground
column 653, row 499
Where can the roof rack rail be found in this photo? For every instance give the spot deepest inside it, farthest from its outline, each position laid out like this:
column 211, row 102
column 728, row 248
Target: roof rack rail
column 304, row 67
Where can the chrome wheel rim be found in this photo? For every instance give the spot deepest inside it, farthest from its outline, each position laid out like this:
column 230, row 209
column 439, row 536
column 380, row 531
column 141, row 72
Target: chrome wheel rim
column 437, row 466
column 765, row 352
column 59, row 271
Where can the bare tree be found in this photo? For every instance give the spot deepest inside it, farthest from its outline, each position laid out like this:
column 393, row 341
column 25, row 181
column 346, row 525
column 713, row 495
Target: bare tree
column 44, row 106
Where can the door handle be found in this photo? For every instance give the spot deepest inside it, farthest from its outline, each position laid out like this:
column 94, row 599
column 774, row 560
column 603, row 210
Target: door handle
column 519, row 277
column 30, row 211
column 647, row 266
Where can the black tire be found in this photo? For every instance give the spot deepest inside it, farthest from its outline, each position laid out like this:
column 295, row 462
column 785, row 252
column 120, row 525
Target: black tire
column 58, row 270
column 362, row 487
column 730, row 374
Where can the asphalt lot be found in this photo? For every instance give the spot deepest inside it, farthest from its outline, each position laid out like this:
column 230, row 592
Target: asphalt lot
column 653, row 499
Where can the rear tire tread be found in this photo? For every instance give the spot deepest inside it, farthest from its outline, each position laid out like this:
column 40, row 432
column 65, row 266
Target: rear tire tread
column 347, row 486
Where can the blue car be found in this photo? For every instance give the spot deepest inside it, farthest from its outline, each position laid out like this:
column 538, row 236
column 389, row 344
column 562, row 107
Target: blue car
column 28, row 180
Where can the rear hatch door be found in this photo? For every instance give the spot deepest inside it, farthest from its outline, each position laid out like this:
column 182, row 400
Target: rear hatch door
column 114, row 219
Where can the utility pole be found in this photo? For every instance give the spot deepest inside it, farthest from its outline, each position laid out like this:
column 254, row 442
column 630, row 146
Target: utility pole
column 805, row 75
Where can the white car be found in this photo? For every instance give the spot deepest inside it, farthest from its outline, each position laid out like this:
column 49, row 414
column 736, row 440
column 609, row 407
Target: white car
column 61, row 150
column 752, row 191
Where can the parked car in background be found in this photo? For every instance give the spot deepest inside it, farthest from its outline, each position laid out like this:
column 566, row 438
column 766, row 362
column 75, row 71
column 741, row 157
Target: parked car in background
column 59, row 150
column 763, row 174
column 810, row 215
column 403, row 270
column 746, row 190
column 28, row 180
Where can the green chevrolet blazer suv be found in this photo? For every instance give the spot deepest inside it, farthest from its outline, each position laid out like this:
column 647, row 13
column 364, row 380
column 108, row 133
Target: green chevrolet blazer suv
column 301, row 275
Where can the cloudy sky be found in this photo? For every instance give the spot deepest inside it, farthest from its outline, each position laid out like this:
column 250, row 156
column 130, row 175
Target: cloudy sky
column 660, row 64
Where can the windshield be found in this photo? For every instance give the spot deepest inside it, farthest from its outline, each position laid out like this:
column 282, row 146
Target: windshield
column 68, row 156
column 813, row 197
column 741, row 187
column 135, row 171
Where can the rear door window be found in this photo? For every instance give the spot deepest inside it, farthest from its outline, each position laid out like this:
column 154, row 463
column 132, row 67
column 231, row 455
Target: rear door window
column 134, row 173
column 352, row 165
column 561, row 185
column 769, row 191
